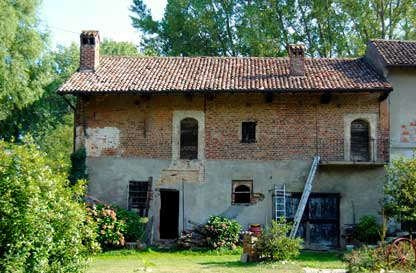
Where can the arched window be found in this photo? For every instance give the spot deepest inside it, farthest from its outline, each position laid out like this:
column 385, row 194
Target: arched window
column 189, row 139
column 360, row 140
column 242, row 192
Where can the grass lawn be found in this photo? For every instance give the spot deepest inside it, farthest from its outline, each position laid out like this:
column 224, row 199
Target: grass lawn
column 124, row 261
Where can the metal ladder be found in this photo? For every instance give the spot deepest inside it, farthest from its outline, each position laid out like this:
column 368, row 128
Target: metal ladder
column 305, row 196
column 279, row 201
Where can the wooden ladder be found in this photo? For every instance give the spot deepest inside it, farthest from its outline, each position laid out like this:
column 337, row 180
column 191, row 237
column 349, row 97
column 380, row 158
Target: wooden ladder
column 305, row 196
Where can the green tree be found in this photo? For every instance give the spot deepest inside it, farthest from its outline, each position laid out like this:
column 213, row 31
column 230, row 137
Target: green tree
column 329, row 28
column 113, row 48
column 400, row 190
column 43, row 228
column 189, row 27
column 383, row 19
column 22, row 74
column 48, row 119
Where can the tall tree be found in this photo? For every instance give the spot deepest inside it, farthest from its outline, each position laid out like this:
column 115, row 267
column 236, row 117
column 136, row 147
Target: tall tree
column 21, row 43
column 329, row 28
column 189, row 27
column 49, row 109
column 113, row 48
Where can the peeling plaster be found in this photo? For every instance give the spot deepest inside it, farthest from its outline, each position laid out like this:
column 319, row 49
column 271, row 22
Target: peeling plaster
column 102, row 139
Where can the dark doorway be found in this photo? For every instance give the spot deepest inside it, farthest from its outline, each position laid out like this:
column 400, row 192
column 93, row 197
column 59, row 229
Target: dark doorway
column 169, row 214
column 319, row 227
column 360, row 140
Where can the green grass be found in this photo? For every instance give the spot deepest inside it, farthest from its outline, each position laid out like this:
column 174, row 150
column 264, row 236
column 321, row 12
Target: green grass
column 123, row 261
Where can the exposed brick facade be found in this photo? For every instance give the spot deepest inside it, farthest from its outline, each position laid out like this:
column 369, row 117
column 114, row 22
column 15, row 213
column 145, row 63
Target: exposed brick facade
column 288, row 128
column 89, row 51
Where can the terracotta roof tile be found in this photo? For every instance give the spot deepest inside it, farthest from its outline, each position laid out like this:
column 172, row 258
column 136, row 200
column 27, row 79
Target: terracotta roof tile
column 222, row 74
column 396, row 53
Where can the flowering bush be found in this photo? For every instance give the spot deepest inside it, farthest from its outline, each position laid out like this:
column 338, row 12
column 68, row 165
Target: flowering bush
column 110, row 230
column 222, row 232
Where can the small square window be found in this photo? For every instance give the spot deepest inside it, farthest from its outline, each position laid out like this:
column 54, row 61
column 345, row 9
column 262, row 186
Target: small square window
column 248, row 132
column 242, row 191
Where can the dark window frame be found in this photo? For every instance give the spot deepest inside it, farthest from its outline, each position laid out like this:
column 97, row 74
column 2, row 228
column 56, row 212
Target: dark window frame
column 248, row 132
column 360, row 140
column 139, row 195
column 243, row 194
column 184, row 153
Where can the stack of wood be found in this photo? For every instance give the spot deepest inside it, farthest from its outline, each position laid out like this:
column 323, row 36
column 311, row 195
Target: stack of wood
column 192, row 239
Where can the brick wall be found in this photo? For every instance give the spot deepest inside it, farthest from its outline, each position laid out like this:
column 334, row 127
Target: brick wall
column 287, row 128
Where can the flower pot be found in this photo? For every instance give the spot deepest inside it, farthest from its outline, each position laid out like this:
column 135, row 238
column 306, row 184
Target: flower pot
column 256, row 229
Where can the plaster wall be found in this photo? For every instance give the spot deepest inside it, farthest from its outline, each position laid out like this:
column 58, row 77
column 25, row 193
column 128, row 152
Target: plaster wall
column 360, row 187
column 402, row 112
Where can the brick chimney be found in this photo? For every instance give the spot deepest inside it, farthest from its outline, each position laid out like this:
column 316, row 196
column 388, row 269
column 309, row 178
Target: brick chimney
column 90, row 50
column 297, row 60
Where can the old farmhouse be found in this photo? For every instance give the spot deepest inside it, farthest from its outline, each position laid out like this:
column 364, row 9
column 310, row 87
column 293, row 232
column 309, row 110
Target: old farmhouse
column 182, row 138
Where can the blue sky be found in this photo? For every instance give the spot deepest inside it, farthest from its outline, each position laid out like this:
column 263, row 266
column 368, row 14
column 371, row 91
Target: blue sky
column 66, row 19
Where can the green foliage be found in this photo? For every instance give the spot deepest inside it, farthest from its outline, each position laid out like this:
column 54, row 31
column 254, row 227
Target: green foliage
column 400, row 189
column 113, row 48
column 366, row 259
column 115, row 226
column 43, row 228
column 222, row 232
column 135, row 225
column 265, row 28
column 48, row 119
column 274, row 244
column 78, row 166
column 368, row 230
column 58, row 144
column 110, row 229
column 22, row 74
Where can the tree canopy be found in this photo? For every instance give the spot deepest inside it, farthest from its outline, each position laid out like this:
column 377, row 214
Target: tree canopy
column 113, row 48
column 329, row 28
column 21, row 43
column 43, row 228
column 400, row 190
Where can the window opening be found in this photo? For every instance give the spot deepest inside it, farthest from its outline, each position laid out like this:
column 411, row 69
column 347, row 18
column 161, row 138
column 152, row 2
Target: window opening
column 189, row 139
column 248, row 134
column 242, row 191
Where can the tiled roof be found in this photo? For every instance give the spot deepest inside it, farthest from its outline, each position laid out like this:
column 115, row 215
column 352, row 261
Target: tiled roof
column 223, row 74
column 396, row 53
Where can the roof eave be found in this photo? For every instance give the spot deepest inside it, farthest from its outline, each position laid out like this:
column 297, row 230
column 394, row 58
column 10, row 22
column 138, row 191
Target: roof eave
column 210, row 91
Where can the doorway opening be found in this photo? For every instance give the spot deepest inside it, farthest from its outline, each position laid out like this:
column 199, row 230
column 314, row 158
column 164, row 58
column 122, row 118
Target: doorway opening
column 169, row 214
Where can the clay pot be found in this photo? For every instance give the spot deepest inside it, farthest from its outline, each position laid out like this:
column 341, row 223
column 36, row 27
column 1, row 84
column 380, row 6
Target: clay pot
column 256, row 229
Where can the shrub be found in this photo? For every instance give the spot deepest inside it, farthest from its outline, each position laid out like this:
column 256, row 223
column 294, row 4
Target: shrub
column 135, row 225
column 43, row 228
column 400, row 190
column 110, row 230
column 222, row 232
column 366, row 259
column 367, row 230
column 78, row 166
column 274, row 244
